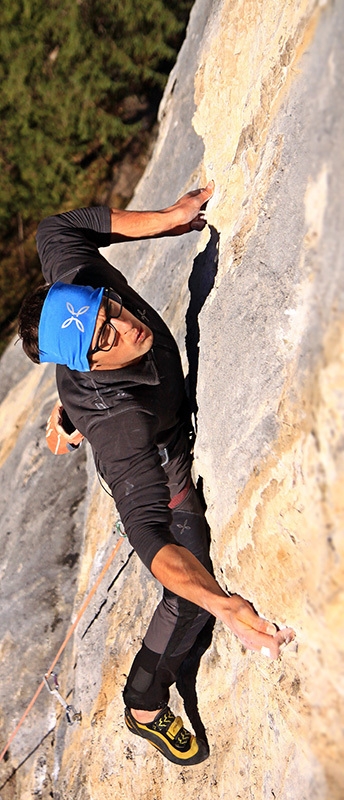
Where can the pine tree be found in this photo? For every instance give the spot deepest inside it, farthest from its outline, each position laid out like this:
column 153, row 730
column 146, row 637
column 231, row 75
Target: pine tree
column 68, row 69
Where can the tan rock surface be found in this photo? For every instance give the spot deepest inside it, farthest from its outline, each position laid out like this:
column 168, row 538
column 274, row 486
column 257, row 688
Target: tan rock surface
column 255, row 102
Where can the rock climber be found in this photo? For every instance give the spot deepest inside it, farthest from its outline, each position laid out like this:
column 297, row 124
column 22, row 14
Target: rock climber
column 121, row 386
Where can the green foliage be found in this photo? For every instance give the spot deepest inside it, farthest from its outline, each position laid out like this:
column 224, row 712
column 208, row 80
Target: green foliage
column 66, row 68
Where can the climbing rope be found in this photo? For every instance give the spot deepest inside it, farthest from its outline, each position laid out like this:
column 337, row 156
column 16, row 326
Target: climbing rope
column 63, row 645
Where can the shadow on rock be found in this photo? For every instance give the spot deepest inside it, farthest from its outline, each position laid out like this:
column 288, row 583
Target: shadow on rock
column 201, row 282
column 186, row 678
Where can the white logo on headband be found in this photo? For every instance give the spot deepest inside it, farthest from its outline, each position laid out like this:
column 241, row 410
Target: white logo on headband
column 75, row 317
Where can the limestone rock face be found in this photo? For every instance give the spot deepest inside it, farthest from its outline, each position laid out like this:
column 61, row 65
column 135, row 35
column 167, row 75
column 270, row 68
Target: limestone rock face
column 256, row 303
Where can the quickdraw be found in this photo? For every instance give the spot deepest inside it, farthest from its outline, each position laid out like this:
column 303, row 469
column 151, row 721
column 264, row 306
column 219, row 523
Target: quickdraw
column 72, row 715
column 63, row 645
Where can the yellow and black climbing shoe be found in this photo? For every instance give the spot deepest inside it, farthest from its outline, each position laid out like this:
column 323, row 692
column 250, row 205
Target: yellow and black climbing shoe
column 167, row 734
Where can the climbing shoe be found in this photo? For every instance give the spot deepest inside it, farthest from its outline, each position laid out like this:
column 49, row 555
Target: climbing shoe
column 167, row 734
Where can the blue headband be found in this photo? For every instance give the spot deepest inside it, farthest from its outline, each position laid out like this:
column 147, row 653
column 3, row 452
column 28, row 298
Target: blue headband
column 67, row 324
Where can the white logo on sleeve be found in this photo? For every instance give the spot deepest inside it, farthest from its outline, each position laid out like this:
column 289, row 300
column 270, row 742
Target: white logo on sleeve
column 75, row 317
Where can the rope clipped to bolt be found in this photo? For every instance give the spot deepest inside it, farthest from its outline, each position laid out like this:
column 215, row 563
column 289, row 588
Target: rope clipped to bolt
column 63, row 645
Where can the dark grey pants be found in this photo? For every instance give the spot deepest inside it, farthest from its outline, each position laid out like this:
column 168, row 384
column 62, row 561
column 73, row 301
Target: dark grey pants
column 176, row 622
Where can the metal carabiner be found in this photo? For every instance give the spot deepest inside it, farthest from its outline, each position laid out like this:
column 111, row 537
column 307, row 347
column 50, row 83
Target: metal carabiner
column 120, row 529
column 72, row 715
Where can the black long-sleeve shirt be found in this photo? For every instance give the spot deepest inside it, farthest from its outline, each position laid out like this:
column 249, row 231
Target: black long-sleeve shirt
column 128, row 415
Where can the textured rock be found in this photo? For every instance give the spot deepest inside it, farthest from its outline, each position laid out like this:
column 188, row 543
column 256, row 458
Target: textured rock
column 255, row 101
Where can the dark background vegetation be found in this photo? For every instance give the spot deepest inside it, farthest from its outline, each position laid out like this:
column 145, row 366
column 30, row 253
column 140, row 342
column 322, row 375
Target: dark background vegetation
column 80, row 86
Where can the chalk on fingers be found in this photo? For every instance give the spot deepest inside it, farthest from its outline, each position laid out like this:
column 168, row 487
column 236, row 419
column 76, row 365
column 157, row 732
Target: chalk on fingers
column 265, row 651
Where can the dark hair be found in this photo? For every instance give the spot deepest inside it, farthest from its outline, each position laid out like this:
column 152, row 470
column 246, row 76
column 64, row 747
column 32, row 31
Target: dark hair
column 29, row 317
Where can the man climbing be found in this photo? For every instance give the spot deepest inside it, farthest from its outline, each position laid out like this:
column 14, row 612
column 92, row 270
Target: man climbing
column 120, row 382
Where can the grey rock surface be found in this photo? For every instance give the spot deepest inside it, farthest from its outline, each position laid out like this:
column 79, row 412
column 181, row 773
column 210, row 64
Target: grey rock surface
column 256, row 304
